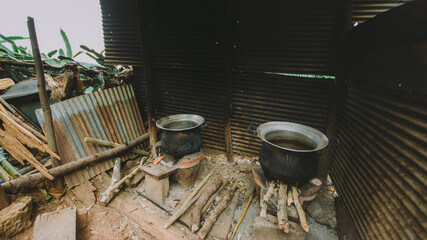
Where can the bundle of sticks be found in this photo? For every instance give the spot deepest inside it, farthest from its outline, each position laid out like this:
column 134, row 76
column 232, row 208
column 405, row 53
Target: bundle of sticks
column 199, row 201
column 288, row 195
column 16, row 136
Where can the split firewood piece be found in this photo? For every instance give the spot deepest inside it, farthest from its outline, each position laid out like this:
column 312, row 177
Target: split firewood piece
column 20, row 153
column 264, row 200
column 282, row 212
column 24, row 136
column 196, row 211
column 301, row 213
column 105, row 199
column 113, row 144
column 210, row 221
column 212, row 198
column 290, row 198
column 110, row 191
column 192, row 198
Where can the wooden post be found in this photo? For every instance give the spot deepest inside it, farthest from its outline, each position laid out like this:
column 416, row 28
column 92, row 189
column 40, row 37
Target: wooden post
column 339, row 89
column 44, row 99
column 143, row 21
column 228, row 108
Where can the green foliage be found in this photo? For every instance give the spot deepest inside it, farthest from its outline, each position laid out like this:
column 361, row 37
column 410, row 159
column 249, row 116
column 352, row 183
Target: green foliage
column 67, row 44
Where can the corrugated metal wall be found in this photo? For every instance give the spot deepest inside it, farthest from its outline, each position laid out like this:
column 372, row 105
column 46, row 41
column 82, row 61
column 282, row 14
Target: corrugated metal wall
column 380, row 170
column 366, row 9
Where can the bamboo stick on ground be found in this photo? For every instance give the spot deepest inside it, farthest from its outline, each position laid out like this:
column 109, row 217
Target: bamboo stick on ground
column 113, row 144
column 242, row 216
column 264, row 200
column 196, row 211
column 192, row 198
column 282, row 212
column 301, row 213
column 212, row 198
column 210, row 221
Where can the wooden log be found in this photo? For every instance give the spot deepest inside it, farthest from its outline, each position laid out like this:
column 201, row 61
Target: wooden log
column 264, row 201
column 212, row 198
column 290, row 198
column 44, row 99
column 282, row 212
column 32, row 180
column 111, row 192
column 113, row 144
column 192, row 198
column 210, row 221
column 301, row 213
column 105, row 197
column 196, row 211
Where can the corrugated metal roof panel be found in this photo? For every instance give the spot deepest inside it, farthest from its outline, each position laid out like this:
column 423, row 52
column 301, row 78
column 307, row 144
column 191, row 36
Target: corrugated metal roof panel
column 366, row 9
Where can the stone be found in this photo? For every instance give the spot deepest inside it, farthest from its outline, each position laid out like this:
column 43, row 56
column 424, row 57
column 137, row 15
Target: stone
column 16, row 217
column 266, row 228
column 157, row 189
column 56, row 225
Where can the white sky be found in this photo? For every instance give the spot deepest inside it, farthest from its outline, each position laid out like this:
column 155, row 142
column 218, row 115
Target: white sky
column 80, row 19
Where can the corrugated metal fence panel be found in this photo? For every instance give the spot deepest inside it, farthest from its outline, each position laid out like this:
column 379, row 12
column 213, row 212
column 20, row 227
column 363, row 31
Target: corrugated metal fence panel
column 276, row 98
column 365, row 9
column 111, row 114
column 380, row 168
column 286, row 36
column 121, row 39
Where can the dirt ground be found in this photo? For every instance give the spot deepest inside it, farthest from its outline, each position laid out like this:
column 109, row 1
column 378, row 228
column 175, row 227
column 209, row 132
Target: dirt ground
column 130, row 216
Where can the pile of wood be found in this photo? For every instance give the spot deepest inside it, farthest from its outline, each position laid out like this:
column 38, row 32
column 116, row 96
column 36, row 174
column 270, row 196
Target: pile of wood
column 17, row 137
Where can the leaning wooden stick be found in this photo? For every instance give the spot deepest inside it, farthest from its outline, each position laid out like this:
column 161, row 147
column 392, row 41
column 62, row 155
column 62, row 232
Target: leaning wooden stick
column 242, row 215
column 109, row 193
column 301, row 213
column 207, row 226
column 282, row 212
column 196, row 211
column 264, row 200
column 113, row 144
column 189, row 201
column 105, row 197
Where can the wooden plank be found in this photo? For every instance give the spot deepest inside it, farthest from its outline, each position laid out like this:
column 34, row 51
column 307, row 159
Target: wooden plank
column 56, row 225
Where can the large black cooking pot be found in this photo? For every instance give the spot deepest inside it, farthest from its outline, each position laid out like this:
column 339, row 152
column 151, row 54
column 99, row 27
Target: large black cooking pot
column 181, row 133
column 289, row 150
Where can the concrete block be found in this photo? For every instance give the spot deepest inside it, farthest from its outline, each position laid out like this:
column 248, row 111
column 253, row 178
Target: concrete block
column 157, row 189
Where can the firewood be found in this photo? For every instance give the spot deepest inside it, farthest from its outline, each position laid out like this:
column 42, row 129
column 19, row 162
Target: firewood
column 264, row 200
column 110, row 193
column 192, row 198
column 301, row 213
column 212, row 198
column 196, row 211
column 290, row 198
column 210, row 221
column 282, row 212
column 105, row 197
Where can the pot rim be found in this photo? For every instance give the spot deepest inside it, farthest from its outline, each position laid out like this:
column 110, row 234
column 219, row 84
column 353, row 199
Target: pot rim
column 318, row 137
column 180, row 117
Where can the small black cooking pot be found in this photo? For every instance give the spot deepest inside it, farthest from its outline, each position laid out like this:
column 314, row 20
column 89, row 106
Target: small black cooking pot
column 181, row 133
column 289, row 150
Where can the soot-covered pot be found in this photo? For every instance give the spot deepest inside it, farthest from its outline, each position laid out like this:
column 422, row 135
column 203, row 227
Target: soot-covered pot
column 289, row 150
column 181, row 133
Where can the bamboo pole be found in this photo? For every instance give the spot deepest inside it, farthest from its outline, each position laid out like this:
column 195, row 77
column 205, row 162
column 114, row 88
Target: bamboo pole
column 113, row 144
column 44, row 99
column 243, row 215
column 32, row 180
